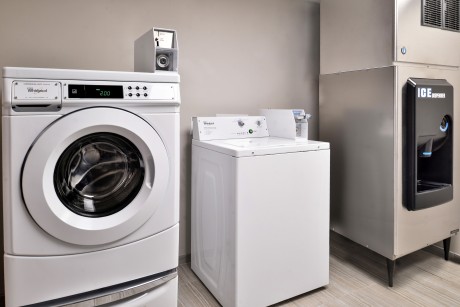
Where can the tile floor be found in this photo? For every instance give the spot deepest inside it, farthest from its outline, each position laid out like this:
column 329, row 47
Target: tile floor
column 358, row 277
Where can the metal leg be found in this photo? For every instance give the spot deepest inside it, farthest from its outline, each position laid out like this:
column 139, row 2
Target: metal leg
column 391, row 271
column 446, row 243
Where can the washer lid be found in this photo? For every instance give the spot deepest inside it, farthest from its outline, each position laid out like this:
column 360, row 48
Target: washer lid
column 95, row 175
column 260, row 146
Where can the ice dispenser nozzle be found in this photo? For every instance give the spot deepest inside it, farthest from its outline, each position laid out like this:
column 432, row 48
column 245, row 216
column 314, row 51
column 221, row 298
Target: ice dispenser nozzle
column 425, row 150
column 428, row 144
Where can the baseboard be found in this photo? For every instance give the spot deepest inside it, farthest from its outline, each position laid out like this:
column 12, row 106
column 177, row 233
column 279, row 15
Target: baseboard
column 439, row 251
column 185, row 259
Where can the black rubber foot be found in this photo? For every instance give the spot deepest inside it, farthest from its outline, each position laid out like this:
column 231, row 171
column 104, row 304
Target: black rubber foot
column 446, row 243
column 391, row 271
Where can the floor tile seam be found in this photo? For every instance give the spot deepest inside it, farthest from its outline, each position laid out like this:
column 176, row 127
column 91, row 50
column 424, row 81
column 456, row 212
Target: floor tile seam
column 209, row 292
column 348, row 294
column 199, row 295
column 420, row 285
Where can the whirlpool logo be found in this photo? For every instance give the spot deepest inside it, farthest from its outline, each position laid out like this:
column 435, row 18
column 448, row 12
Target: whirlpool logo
column 36, row 90
column 427, row 92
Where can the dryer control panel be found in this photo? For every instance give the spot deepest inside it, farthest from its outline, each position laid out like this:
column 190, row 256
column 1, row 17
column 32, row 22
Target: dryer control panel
column 119, row 90
column 28, row 89
column 49, row 95
column 224, row 127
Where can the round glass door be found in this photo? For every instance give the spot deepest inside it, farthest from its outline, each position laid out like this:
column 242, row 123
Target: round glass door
column 99, row 174
column 94, row 176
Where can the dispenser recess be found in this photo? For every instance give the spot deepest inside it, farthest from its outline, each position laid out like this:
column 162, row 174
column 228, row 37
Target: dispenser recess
column 428, row 171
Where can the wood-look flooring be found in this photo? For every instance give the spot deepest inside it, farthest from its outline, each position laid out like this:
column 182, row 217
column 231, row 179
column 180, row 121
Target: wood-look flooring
column 358, row 277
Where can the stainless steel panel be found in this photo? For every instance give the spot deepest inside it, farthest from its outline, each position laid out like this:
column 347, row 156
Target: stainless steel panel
column 357, row 112
column 356, row 34
column 417, row 229
column 365, row 34
column 361, row 116
column 423, row 44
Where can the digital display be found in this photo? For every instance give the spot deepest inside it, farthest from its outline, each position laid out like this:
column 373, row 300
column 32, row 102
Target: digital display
column 95, row 91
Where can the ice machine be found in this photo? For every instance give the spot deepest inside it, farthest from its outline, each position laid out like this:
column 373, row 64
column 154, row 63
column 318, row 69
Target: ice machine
column 389, row 84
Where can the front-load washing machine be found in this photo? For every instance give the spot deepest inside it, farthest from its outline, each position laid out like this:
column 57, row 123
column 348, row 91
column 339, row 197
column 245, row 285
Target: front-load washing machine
column 90, row 187
column 260, row 212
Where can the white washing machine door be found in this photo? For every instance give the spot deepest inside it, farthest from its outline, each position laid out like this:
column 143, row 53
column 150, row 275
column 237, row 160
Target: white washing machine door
column 95, row 175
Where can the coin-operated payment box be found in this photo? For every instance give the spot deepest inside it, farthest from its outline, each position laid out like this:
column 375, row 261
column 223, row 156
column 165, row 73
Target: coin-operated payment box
column 156, row 50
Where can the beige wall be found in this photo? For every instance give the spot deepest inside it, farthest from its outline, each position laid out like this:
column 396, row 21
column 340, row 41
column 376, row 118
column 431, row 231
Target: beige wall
column 234, row 56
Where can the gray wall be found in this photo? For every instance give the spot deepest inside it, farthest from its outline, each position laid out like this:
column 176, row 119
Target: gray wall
column 234, row 56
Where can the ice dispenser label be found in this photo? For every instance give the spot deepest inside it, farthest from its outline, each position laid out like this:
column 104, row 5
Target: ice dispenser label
column 427, row 92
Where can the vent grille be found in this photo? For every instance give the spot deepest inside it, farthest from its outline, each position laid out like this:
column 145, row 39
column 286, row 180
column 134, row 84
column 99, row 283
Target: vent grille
column 432, row 13
column 451, row 15
column 444, row 14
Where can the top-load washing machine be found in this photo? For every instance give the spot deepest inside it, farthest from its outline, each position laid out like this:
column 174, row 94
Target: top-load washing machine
column 90, row 187
column 260, row 211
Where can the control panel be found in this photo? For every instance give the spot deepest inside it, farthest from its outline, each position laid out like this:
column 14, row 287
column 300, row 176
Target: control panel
column 156, row 91
column 222, row 128
column 137, row 91
column 49, row 95
column 120, row 90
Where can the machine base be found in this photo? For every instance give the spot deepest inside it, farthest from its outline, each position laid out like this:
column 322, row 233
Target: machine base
column 31, row 280
column 391, row 263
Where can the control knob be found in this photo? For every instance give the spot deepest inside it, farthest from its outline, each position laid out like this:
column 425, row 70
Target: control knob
column 240, row 123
